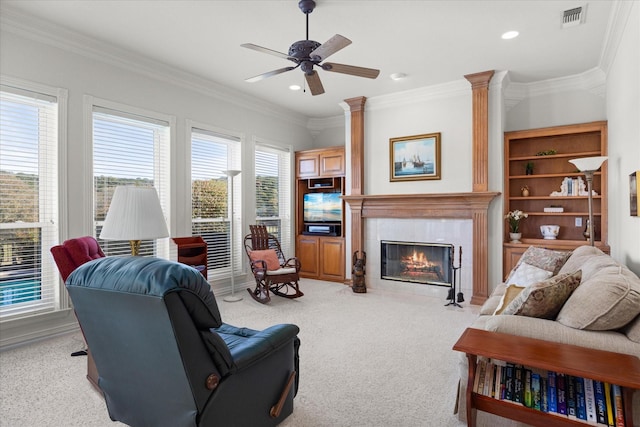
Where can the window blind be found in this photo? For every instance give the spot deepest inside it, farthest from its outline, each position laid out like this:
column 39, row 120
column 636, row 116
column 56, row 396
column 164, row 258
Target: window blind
column 273, row 192
column 211, row 154
column 129, row 149
column 29, row 224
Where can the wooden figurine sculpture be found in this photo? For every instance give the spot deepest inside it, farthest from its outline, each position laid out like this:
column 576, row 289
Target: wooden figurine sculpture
column 358, row 272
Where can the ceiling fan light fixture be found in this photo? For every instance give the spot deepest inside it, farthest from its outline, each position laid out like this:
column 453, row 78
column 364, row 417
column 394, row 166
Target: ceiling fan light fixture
column 510, row 35
column 295, row 87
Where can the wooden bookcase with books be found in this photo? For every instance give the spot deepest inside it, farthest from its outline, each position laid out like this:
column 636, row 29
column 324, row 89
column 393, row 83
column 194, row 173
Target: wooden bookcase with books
column 607, row 372
column 538, row 160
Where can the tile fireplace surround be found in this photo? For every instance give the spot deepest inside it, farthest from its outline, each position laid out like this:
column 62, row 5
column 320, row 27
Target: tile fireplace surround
column 465, row 213
column 458, row 232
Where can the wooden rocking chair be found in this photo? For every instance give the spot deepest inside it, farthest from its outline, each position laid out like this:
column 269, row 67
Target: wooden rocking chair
column 272, row 271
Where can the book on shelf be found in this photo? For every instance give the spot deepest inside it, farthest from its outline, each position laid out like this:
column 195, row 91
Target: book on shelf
column 552, row 391
column 601, row 406
column 508, row 383
column 619, row 408
column 561, row 393
column 581, row 409
column 570, row 393
column 528, row 398
column 553, row 209
column 518, row 384
column 535, row 391
column 608, row 402
column 544, row 393
column 590, row 401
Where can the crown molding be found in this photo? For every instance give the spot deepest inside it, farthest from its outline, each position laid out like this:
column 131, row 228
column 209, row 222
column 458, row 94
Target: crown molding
column 618, row 20
column 420, row 95
column 42, row 31
column 593, row 80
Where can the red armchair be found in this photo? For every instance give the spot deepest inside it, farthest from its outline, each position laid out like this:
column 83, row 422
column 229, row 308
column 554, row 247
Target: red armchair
column 74, row 252
column 68, row 256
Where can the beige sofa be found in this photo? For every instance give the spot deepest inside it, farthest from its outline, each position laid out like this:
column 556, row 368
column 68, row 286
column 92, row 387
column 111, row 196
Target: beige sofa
column 603, row 312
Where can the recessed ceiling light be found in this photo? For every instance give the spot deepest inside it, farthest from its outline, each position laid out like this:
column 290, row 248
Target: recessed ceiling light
column 510, row 35
column 398, row 76
column 295, row 87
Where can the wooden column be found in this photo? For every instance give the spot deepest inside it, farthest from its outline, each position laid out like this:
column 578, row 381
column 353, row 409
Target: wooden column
column 480, row 86
column 356, row 107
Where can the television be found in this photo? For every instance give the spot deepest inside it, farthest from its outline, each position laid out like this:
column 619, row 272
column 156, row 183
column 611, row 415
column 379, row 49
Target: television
column 322, row 207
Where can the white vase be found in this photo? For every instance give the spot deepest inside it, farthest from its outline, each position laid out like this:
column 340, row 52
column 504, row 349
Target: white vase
column 515, row 237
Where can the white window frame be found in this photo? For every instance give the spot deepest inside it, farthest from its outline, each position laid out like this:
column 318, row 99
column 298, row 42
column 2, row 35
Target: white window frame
column 285, row 203
column 57, row 217
column 91, row 104
column 235, row 141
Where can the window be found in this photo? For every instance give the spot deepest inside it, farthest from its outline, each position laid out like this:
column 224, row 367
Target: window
column 273, row 194
column 212, row 153
column 29, row 225
column 129, row 148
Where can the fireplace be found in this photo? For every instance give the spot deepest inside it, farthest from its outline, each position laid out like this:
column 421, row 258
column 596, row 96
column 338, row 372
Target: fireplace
column 424, row 263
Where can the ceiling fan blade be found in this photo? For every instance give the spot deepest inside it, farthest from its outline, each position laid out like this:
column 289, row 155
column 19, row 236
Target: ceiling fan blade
column 315, row 85
column 265, row 50
column 330, row 47
column 269, row 74
column 369, row 73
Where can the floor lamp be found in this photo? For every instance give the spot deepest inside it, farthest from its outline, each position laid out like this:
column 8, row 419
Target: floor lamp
column 233, row 297
column 588, row 166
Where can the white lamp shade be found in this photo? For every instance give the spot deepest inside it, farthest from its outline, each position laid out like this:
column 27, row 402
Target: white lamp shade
column 134, row 214
column 588, row 163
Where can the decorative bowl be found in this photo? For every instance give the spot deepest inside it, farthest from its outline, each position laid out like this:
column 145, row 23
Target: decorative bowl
column 550, row 232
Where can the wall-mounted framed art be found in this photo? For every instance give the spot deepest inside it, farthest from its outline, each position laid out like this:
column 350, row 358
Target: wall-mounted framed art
column 414, row 158
column 634, row 193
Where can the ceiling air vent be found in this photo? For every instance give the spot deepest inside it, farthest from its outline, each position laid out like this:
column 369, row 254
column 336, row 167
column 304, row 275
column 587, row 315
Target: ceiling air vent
column 573, row 17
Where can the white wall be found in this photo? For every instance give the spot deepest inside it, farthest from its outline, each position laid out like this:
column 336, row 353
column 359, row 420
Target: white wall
column 623, row 111
column 446, row 109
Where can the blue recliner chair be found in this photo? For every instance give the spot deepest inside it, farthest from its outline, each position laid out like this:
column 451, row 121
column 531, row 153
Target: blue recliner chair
column 165, row 357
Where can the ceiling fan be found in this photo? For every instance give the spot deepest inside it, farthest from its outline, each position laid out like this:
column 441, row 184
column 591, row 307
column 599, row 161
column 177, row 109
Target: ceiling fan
column 308, row 53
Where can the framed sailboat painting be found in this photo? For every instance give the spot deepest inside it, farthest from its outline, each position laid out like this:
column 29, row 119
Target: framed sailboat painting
column 414, row 158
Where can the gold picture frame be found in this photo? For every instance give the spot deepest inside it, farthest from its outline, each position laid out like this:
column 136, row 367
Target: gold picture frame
column 415, row 158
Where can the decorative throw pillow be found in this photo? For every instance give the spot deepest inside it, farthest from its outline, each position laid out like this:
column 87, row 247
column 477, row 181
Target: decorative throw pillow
column 510, row 294
column 267, row 255
column 609, row 300
column 546, row 298
column 527, row 274
column 545, row 259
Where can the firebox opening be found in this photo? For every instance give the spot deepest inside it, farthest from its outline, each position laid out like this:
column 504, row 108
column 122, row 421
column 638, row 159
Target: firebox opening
column 426, row 263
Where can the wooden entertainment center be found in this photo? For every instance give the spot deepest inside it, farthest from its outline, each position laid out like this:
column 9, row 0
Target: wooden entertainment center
column 320, row 245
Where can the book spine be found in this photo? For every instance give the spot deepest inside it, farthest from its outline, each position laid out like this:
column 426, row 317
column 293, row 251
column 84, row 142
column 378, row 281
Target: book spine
column 581, row 409
column 590, row 401
column 561, row 396
column 617, row 399
column 570, row 393
column 544, row 393
column 518, row 384
column 482, row 373
column 552, row 392
column 535, row 391
column 607, row 399
column 601, row 406
column 496, row 383
column 508, row 394
column 527, row 397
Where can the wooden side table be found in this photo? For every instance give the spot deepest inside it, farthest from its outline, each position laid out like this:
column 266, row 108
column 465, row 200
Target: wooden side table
column 606, row 366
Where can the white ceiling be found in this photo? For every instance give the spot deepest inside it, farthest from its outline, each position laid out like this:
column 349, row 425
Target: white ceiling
column 433, row 42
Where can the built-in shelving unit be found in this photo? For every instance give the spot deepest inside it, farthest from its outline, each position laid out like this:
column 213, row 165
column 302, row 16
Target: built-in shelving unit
column 559, row 144
column 320, row 245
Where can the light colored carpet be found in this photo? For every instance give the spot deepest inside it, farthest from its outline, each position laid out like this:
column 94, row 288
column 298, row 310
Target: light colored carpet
column 374, row 359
